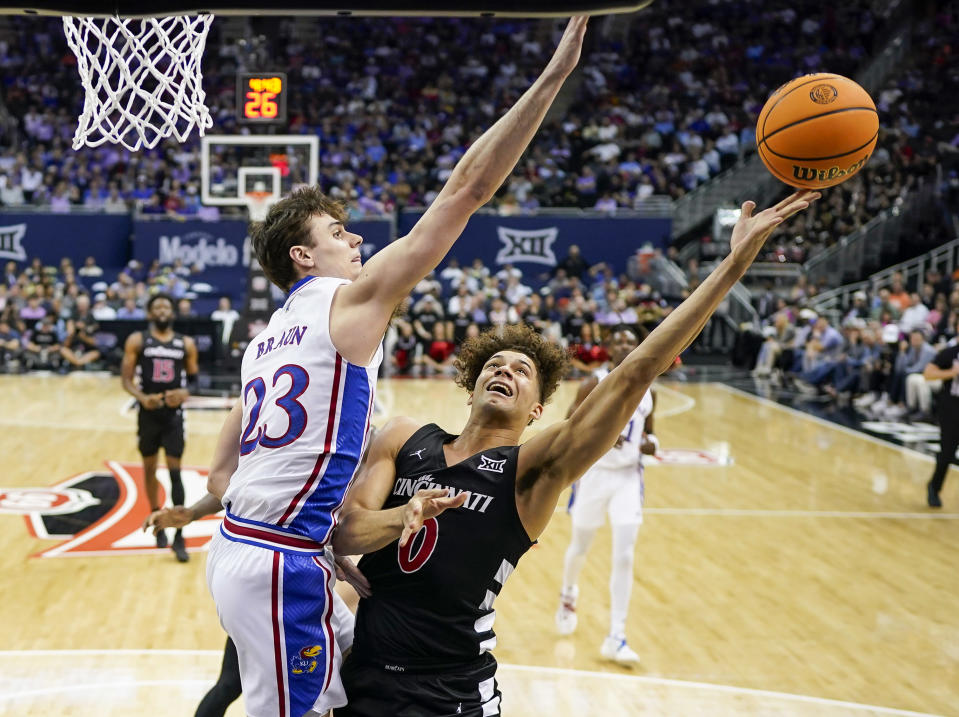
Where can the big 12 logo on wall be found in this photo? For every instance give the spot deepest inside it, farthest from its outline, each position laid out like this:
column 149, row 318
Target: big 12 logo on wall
column 102, row 512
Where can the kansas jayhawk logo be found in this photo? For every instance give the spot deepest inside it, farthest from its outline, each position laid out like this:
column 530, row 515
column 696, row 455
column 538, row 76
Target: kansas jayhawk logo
column 305, row 662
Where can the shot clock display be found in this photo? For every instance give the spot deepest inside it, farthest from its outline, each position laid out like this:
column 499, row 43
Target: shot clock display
column 261, row 97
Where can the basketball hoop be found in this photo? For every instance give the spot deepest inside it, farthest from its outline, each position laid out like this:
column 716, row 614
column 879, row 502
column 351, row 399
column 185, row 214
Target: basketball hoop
column 141, row 78
column 259, row 203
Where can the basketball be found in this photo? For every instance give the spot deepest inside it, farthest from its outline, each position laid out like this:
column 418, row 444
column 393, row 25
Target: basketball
column 817, row 131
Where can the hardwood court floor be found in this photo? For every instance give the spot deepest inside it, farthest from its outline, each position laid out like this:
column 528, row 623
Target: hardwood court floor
column 807, row 564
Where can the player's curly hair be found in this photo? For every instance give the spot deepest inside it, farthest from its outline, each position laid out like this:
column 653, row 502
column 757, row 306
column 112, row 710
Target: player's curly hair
column 551, row 360
column 287, row 224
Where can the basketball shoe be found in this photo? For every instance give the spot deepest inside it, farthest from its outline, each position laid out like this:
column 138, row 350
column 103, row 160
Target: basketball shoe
column 616, row 649
column 179, row 548
column 161, row 539
column 566, row 614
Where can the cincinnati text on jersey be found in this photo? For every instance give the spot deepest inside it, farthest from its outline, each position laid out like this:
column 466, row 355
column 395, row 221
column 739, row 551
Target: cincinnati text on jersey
column 409, row 486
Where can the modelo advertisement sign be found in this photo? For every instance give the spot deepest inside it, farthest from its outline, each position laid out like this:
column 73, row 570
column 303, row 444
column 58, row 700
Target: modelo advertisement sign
column 219, row 252
column 51, row 237
column 536, row 244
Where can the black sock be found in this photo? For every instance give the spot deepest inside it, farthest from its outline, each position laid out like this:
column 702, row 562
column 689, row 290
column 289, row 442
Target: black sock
column 176, row 487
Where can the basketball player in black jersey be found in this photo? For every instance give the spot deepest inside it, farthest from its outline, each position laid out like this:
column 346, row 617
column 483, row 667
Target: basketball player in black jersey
column 436, row 564
column 166, row 362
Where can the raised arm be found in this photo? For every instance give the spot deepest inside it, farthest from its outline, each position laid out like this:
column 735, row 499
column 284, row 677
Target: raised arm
column 364, row 526
column 361, row 311
column 560, row 454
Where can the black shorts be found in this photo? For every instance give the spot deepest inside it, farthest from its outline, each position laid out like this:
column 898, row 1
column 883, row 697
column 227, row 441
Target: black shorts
column 373, row 691
column 160, row 429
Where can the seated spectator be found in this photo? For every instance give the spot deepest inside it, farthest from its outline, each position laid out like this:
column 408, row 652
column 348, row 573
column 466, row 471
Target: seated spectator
column 80, row 347
column 184, row 309
column 501, row 313
column 10, row 346
column 573, row 264
column 226, row 314
column 515, row 290
column 862, row 350
column 586, row 352
column 405, row 350
column 915, row 315
column 897, row 293
column 42, row 345
column 130, row 310
column 912, row 358
column 426, row 313
column 859, row 308
column 779, row 339
column 102, row 311
column 438, row 357
column 34, row 310
column 822, row 350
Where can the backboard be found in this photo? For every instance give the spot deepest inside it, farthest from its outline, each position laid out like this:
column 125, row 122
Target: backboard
column 236, row 170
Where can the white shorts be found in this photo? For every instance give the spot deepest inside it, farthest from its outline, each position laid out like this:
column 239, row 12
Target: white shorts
column 601, row 491
column 288, row 624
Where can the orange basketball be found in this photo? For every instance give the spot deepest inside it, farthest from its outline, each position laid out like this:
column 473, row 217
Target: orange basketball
column 817, row 130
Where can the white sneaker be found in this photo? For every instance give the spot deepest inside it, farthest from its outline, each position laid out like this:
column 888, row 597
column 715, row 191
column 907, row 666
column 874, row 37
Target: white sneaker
column 894, row 413
column 865, row 400
column 616, row 649
column 566, row 613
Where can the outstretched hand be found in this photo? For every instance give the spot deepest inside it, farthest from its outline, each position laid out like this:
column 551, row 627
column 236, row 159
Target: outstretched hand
column 426, row 504
column 752, row 231
column 570, row 45
column 175, row 517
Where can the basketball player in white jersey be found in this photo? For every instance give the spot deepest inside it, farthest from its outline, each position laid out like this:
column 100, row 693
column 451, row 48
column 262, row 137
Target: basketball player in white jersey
column 613, row 485
column 293, row 442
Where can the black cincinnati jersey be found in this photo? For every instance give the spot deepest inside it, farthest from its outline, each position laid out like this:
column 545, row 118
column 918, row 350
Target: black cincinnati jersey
column 161, row 366
column 432, row 602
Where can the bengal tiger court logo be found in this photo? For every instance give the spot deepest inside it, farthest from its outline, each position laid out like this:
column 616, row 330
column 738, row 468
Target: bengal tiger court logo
column 304, row 662
column 823, row 94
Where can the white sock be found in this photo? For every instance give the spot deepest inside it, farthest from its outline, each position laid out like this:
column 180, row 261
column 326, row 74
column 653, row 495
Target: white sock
column 621, row 577
column 576, row 556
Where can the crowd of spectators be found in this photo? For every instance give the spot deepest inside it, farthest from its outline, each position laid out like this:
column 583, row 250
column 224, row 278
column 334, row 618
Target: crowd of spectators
column 873, row 356
column 49, row 315
column 396, row 102
column 574, row 306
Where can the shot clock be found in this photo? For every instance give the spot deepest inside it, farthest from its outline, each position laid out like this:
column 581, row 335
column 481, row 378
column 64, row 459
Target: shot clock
column 261, row 97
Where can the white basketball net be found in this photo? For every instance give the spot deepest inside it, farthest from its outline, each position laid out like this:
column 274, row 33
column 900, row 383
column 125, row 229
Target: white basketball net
column 141, row 77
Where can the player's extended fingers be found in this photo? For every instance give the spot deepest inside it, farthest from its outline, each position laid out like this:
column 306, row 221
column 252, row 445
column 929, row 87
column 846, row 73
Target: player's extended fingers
column 427, row 493
column 151, row 520
column 447, row 503
column 796, row 201
column 747, row 209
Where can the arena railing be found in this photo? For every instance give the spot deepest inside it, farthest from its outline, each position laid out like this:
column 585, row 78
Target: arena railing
column 864, row 249
column 944, row 258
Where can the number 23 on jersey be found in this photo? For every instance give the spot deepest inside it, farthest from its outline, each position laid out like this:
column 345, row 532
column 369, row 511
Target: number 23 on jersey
column 256, row 433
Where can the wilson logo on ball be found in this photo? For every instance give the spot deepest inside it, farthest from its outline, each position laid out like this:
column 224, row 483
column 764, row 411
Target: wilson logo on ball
column 823, row 94
column 807, row 174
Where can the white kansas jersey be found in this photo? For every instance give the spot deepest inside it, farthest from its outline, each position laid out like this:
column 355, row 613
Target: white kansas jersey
column 306, row 417
column 627, row 455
